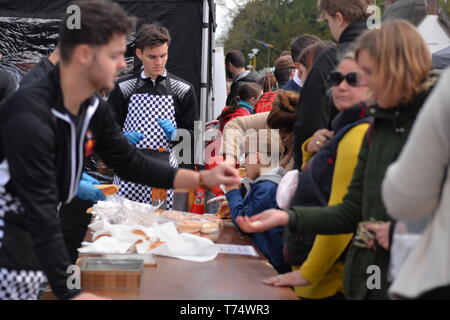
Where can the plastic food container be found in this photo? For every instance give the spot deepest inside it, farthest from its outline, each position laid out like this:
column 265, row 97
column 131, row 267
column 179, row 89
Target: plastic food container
column 100, row 273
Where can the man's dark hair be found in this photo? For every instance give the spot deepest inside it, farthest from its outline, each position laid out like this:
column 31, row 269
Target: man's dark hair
column 283, row 68
column 351, row 10
column 152, row 35
column 100, row 20
column 236, row 58
column 300, row 44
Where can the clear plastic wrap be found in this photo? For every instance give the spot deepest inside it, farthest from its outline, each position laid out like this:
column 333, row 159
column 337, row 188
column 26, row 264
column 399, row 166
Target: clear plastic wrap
column 96, row 168
column 119, row 210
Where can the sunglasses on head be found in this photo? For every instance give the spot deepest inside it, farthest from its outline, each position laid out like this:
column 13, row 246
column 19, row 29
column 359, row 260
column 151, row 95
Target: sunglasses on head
column 352, row 78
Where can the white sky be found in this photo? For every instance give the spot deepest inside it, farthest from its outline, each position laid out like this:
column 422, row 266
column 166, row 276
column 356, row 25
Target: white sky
column 222, row 19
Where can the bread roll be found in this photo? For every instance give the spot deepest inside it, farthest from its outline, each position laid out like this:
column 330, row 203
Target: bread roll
column 173, row 215
column 224, row 211
column 106, row 234
column 108, row 189
column 156, row 244
column 188, row 226
column 141, row 234
column 214, row 219
column 242, row 172
column 209, row 227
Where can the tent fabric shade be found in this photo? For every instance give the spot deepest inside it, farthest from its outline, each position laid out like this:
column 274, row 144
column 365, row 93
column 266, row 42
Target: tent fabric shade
column 182, row 18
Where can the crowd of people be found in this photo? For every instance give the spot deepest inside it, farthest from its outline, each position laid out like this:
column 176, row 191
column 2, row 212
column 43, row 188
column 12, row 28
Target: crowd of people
column 349, row 193
column 345, row 146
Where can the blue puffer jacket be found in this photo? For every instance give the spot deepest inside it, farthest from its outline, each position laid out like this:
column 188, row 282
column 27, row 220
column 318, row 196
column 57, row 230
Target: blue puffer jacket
column 261, row 197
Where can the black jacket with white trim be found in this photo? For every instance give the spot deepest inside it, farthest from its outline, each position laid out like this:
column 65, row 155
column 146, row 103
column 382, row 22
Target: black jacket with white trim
column 185, row 101
column 40, row 166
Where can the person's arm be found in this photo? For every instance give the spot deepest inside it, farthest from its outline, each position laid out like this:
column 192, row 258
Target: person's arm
column 314, row 111
column 306, row 155
column 234, row 131
column 31, row 160
column 413, row 185
column 186, row 113
column 328, row 248
column 341, row 218
column 132, row 165
column 222, row 174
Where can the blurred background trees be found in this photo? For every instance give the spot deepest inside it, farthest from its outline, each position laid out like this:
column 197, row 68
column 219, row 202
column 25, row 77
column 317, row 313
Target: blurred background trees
column 275, row 22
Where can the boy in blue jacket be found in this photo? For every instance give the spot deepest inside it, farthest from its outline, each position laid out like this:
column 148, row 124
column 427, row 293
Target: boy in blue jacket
column 265, row 174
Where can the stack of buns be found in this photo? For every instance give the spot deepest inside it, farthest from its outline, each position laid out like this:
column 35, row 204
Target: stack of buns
column 206, row 226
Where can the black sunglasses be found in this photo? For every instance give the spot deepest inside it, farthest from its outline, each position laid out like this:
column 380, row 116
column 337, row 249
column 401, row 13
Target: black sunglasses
column 352, row 78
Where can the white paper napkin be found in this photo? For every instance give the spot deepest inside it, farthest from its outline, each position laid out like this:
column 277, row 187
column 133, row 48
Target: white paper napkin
column 182, row 246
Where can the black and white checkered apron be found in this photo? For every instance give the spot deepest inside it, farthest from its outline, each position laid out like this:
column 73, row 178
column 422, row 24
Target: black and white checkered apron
column 16, row 284
column 144, row 111
column 20, row 284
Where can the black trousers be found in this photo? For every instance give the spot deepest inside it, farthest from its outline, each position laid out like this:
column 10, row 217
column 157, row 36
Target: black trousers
column 74, row 221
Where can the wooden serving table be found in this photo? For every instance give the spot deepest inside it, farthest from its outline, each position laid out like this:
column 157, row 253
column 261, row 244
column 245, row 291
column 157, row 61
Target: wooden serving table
column 227, row 277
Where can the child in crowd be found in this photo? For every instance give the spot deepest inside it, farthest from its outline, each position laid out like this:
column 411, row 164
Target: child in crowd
column 265, row 172
column 243, row 104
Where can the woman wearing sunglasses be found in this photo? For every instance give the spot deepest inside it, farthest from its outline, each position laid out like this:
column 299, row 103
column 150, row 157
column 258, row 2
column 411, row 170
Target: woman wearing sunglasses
column 343, row 95
column 395, row 64
column 318, row 260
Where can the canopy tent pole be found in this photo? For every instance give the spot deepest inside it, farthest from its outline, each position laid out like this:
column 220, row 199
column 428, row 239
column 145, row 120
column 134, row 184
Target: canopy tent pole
column 200, row 127
column 205, row 62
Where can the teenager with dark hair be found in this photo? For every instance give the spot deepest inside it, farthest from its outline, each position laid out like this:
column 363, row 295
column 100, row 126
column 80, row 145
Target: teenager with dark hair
column 46, row 130
column 284, row 67
column 297, row 47
column 154, row 103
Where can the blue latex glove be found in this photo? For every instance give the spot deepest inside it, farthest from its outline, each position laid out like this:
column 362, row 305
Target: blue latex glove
column 87, row 190
column 168, row 128
column 133, row 137
column 88, row 178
